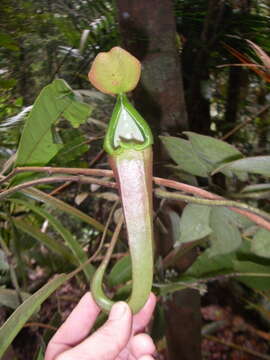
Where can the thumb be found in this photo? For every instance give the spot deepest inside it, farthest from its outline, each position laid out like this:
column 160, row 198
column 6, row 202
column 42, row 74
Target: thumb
column 109, row 340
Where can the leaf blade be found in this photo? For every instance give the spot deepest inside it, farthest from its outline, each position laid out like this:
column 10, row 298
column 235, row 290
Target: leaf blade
column 15, row 322
column 254, row 165
column 212, row 150
column 194, row 223
column 43, row 238
column 37, row 146
column 182, row 153
column 74, row 246
column 61, row 205
column 226, row 237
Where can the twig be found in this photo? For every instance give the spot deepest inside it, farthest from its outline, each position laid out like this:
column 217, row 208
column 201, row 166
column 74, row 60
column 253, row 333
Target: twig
column 237, row 347
column 64, row 186
column 228, row 203
column 45, row 326
column 60, row 188
column 194, row 284
column 116, row 256
column 240, row 126
column 208, row 195
column 166, row 288
column 48, row 180
column 113, row 242
column 108, row 173
column 61, row 63
column 93, row 257
column 105, row 231
column 13, row 275
column 57, row 170
column 235, row 129
column 96, row 158
column 228, row 276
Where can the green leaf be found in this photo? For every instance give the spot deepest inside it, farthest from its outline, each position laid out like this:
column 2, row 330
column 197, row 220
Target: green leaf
column 9, row 298
column 165, row 289
column 211, row 150
column 256, row 282
column 61, row 205
column 72, row 243
column 121, row 272
column 68, row 30
column 194, row 223
column 255, row 191
column 7, row 83
column 46, row 240
column 253, row 165
column 256, row 187
column 16, row 321
column 40, row 355
column 207, row 265
column 182, row 153
column 235, row 218
column 260, row 245
column 74, row 146
column 226, row 237
column 204, row 267
column 115, row 71
column 175, row 221
column 37, row 145
column 77, row 112
column 8, row 42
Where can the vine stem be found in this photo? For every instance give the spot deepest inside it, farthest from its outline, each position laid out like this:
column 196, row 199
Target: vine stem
column 56, row 179
column 108, row 222
column 228, row 203
column 82, row 175
column 208, row 195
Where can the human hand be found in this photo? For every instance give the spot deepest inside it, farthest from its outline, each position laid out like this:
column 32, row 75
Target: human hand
column 120, row 338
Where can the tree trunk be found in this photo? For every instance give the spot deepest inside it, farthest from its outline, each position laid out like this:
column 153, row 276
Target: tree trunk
column 237, row 86
column 196, row 60
column 149, row 32
column 237, row 90
column 183, row 323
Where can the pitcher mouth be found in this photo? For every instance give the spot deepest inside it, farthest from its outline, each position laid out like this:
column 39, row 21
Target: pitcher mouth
column 127, row 129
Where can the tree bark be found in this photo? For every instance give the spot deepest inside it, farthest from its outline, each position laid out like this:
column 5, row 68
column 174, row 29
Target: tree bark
column 183, row 324
column 149, row 32
column 196, row 58
column 237, row 85
column 238, row 82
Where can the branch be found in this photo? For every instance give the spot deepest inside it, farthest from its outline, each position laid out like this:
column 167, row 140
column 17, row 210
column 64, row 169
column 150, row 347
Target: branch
column 228, row 203
column 237, row 347
column 208, row 195
column 48, row 180
column 243, row 124
column 83, row 176
column 57, row 170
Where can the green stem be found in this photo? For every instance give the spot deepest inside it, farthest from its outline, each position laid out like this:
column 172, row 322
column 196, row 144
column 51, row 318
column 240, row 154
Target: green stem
column 96, row 286
column 209, row 202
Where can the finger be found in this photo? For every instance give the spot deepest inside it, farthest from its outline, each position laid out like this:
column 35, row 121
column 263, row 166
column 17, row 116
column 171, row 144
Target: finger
column 142, row 344
column 109, row 340
column 143, row 317
column 75, row 328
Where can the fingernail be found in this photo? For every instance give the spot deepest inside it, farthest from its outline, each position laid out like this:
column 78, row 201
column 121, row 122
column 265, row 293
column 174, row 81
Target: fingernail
column 118, row 310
